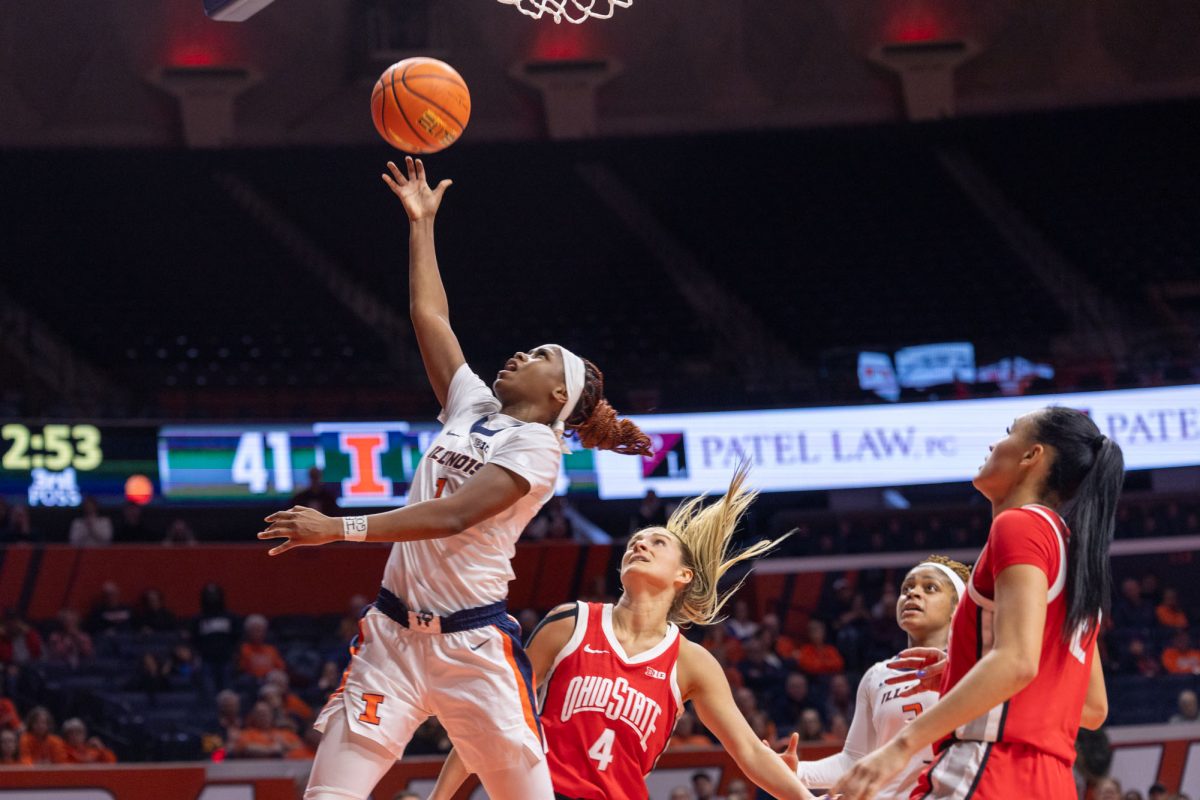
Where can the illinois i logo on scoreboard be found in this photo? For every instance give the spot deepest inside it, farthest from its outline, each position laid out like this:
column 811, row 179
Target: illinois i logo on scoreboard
column 366, row 480
column 669, row 459
column 368, row 459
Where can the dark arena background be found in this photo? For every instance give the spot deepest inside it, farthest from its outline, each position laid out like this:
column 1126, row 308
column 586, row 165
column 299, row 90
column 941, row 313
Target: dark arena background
column 846, row 241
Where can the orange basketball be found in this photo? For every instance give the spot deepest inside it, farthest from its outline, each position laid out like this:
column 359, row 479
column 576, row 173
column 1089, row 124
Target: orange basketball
column 420, row 105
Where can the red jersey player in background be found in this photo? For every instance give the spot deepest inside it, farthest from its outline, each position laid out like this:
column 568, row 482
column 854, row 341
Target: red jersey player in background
column 1022, row 674
column 613, row 678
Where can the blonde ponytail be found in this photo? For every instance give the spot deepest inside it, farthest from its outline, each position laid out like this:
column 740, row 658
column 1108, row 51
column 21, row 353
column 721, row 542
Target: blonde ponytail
column 704, row 533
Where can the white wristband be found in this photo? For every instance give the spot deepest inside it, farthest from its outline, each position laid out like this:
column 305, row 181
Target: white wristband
column 354, row 528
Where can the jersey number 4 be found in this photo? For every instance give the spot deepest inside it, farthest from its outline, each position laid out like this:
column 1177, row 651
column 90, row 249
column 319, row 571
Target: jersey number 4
column 601, row 749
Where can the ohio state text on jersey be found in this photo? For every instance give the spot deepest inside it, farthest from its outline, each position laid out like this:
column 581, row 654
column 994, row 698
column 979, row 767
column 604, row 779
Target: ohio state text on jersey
column 607, row 717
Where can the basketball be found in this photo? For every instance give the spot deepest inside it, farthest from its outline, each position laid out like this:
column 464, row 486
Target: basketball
column 420, row 105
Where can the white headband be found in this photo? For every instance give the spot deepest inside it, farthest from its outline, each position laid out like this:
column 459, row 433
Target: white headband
column 957, row 582
column 575, row 374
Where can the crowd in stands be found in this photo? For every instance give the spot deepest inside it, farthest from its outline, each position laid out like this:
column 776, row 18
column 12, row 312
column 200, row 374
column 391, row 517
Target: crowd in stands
column 94, row 527
column 139, row 683
column 1110, row 789
column 133, row 681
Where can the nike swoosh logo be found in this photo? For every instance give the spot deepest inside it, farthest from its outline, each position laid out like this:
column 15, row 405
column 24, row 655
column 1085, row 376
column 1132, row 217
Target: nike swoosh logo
column 455, row 435
column 587, row 649
column 481, row 644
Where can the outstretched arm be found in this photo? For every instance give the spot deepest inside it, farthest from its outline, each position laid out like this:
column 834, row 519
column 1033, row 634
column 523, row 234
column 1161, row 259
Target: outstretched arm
column 427, row 304
column 860, row 741
column 706, row 687
column 485, row 494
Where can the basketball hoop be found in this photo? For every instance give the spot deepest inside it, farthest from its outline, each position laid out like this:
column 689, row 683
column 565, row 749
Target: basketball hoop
column 575, row 11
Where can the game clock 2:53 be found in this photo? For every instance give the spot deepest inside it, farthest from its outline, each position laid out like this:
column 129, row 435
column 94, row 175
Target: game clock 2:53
column 53, row 447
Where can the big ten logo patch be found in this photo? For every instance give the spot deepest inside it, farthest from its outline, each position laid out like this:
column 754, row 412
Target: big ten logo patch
column 669, row 459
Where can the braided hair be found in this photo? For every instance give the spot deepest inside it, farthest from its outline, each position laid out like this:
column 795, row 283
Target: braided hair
column 597, row 423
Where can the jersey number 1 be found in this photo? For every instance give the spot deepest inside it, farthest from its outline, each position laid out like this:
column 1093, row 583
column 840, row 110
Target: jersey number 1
column 441, row 487
column 601, row 749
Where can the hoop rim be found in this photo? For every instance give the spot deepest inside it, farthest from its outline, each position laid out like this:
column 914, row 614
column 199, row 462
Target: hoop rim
column 573, row 11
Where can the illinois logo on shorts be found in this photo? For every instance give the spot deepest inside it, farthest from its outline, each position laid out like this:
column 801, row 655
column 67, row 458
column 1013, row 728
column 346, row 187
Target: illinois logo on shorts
column 371, row 704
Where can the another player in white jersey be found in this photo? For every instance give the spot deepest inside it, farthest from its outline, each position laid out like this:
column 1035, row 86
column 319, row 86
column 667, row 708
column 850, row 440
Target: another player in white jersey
column 438, row 641
column 924, row 609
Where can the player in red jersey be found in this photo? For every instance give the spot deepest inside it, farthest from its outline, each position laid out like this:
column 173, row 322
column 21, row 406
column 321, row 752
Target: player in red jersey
column 1022, row 674
column 613, row 678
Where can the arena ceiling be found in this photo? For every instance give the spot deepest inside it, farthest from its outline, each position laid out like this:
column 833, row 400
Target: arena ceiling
column 88, row 73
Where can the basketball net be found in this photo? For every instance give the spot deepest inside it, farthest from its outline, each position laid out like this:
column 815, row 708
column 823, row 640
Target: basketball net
column 576, row 11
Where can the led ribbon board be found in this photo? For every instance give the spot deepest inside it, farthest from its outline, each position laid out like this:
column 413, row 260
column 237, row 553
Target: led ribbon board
column 366, row 464
column 884, row 445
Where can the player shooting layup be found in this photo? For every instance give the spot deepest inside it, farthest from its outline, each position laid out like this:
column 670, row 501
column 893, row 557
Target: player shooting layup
column 438, row 640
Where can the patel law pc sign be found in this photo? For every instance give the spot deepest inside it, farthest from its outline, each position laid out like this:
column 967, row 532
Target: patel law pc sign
column 884, row 445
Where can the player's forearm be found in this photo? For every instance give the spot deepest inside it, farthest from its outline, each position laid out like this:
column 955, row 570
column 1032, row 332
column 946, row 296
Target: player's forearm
column 1095, row 709
column 426, row 294
column 994, row 679
column 1095, row 705
column 766, row 769
column 429, row 519
column 1093, row 716
column 454, row 773
column 824, row 773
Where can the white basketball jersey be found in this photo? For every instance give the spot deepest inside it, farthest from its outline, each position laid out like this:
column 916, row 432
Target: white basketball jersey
column 879, row 715
column 472, row 568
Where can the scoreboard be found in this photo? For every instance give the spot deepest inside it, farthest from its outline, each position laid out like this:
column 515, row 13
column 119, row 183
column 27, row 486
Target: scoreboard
column 232, row 463
column 372, row 463
column 58, row 464
column 368, row 464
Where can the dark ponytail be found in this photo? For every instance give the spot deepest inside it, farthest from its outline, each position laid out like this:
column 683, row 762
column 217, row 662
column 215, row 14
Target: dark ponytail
column 1087, row 475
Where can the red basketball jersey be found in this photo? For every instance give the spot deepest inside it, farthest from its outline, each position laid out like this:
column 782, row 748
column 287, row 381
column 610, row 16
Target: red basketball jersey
column 607, row 717
column 1045, row 714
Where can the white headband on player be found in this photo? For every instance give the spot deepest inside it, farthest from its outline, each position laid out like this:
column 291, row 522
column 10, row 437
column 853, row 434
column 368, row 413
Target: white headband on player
column 575, row 375
column 957, row 582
